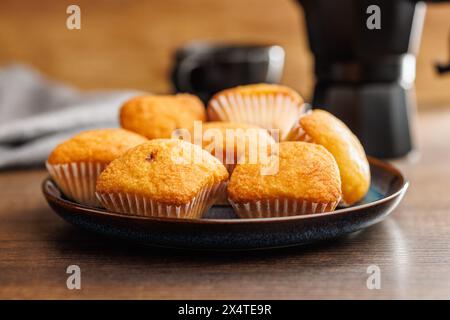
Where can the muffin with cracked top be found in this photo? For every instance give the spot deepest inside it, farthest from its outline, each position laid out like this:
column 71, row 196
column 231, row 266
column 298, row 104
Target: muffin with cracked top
column 307, row 181
column 163, row 178
column 158, row 116
column 76, row 163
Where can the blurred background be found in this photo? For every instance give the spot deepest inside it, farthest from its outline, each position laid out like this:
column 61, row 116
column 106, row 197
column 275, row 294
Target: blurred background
column 130, row 44
column 55, row 82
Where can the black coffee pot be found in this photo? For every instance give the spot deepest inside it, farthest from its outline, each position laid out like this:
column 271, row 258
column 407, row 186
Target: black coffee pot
column 365, row 67
column 204, row 68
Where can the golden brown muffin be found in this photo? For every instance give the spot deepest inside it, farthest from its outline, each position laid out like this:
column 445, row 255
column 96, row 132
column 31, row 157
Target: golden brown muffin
column 76, row 163
column 233, row 142
column 323, row 128
column 163, row 177
column 266, row 105
column 101, row 145
column 158, row 116
column 307, row 181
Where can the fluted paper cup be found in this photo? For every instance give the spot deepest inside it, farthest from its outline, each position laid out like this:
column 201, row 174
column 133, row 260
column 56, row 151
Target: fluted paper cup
column 137, row 205
column 222, row 199
column 77, row 180
column 282, row 207
column 297, row 133
column 270, row 111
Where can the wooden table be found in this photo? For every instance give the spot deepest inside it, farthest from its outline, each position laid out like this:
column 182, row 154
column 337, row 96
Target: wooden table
column 411, row 247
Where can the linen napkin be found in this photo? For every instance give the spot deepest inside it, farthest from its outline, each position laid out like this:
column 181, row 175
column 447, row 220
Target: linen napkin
column 37, row 113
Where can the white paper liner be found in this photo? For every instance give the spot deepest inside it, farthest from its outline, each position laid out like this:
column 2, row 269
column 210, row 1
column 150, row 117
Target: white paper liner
column 77, row 180
column 282, row 207
column 222, row 198
column 297, row 133
column 137, row 205
column 270, row 111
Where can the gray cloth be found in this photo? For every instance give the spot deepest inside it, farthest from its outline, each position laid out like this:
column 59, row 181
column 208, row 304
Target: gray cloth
column 36, row 114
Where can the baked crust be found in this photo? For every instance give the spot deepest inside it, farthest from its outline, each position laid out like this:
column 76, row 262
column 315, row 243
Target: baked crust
column 157, row 116
column 306, row 172
column 244, row 138
column 330, row 132
column 165, row 170
column 100, row 146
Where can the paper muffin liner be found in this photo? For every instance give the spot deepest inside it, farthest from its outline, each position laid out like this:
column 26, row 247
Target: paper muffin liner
column 281, row 207
column 77, row 180
column 137, row 205
column 222, row 199
column 297, row 133
column 270, row 111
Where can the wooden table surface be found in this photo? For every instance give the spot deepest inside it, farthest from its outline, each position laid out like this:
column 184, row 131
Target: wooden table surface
column 411, row 248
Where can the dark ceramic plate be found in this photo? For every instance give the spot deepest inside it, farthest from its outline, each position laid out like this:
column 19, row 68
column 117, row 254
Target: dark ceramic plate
column 222, row 230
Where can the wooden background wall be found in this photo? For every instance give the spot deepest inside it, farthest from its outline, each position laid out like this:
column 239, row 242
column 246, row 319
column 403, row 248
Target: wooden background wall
column 130, row 43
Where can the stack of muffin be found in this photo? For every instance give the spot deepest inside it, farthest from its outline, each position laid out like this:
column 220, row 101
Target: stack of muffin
column 254, row 147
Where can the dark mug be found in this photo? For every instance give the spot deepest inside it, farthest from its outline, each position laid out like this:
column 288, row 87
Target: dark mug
column 204, row 69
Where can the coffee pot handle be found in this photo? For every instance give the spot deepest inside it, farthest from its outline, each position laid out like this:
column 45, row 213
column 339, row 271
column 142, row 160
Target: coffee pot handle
column 442, row 68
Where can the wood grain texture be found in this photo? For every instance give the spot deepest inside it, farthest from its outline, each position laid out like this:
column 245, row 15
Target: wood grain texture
column 411, row 247
column 129, row 44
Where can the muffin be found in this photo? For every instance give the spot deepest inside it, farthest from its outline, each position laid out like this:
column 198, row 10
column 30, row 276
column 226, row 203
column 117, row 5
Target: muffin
column 75, row 164
column 162, row 178
column 323, row 128
column 234, row 142
column 158, row 116
column 266, row 105
column 307, row 182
